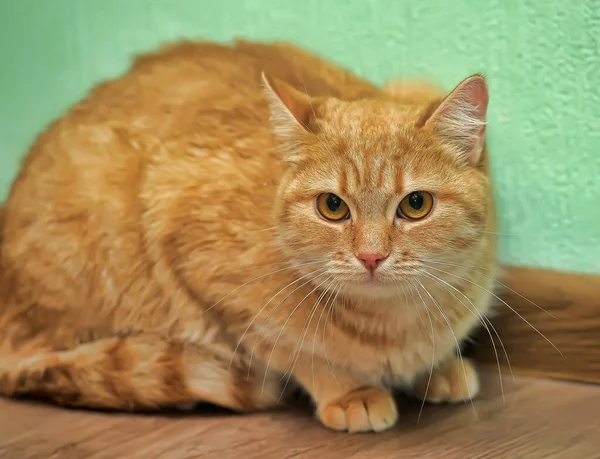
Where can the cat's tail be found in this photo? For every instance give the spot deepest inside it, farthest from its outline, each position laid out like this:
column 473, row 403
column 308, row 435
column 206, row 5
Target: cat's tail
column 138, row 372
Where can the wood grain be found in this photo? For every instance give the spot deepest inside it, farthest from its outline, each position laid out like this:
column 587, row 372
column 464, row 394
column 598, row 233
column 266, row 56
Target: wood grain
column 567, row 314
column 541, row 419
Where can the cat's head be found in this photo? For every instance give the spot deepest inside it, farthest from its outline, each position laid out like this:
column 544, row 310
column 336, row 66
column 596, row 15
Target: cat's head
column 374, row 190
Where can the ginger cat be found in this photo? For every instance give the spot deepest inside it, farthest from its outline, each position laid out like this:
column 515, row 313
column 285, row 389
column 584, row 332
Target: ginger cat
column 165, row 243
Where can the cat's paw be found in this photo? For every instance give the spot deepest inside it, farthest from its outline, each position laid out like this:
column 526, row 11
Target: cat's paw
column 456, row 382
column 369, row 409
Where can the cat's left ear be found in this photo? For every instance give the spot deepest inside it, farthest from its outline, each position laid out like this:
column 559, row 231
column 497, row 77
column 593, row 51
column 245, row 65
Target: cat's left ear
column 461, row 118
column 291, row 111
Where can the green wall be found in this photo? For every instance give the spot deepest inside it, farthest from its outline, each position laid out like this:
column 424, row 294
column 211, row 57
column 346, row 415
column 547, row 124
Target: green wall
column 542, row 58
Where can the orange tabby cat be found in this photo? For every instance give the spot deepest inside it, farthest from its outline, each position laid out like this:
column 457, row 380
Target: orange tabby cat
column 165, row 244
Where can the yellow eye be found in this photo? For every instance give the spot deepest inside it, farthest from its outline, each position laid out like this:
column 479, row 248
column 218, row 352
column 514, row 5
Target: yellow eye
column 332, row 208
column 416, row 205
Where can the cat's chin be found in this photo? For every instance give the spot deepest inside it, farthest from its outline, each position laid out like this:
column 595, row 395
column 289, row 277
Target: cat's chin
column 372, row 288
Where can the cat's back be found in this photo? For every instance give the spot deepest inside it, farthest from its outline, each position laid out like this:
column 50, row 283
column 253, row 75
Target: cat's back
column 188, row 98
column 189, row 118
column 164, row 92
column 183, row 90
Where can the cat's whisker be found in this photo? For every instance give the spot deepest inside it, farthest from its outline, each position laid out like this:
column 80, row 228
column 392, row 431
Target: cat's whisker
column 482, row 319
column 325, row 306
column 281, row 332
column 298, row 349
column 508, row 234
column 272, row 228
column 487, row 322
column 262, row 276
column 320, row 272
column 432, row 354
column 460, row 357
column 287, row 262
column 263, row 308
column 304, row 332
column 330, row 311
column 421, row 260
column 403, row 290
column 503, row 302
column 238, row 170
column 495, row 280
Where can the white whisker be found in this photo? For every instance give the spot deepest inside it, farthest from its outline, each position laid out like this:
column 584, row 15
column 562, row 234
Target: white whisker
column 331, row 292
column 330, row 311
column 281, row 332
column 322, row 272
column 305, row 260
column 262, row 309
column 432, row 355
column 495, row 280
column 303, row 333
column 414, row 305
column 508, row 234
column 462, row 363
column 265, row 229
column 503, row 302
column 258, row 278
column 482, row 319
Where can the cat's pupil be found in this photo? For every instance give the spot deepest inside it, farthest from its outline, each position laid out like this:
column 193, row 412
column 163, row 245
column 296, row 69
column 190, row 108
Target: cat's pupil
column 333, row 202
column 416, row 201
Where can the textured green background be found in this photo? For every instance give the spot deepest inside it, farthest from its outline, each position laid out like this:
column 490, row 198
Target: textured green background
column 541, row 57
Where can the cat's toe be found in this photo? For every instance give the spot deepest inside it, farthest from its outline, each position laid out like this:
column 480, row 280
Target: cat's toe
column 365, row 410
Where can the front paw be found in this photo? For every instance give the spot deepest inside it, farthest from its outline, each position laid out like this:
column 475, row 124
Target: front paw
column 452, row 383
column 370, row 409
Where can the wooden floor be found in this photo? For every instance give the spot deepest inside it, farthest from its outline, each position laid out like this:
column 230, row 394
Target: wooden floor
column 541, row 419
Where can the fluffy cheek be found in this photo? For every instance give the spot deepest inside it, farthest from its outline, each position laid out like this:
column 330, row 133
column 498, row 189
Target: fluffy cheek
column 445, row 235
column 305, row 235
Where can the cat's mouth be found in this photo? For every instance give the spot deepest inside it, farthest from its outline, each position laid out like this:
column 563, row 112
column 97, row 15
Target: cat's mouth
column 374, row 279
column 379, row 280
column 372, row 286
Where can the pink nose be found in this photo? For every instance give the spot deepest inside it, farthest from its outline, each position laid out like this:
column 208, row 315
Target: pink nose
column 370, row 260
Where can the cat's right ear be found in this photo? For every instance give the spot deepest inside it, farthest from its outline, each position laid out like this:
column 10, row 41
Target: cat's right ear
column 291, row 111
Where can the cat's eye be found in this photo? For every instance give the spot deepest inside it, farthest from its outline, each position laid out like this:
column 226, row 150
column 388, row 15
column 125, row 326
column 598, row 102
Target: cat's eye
column 416, row 205
column 331, row 207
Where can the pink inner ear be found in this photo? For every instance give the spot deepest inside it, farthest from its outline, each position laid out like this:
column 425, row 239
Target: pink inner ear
column 470, row 96
column 477, row 89
column 460, row 119
column 297, row 104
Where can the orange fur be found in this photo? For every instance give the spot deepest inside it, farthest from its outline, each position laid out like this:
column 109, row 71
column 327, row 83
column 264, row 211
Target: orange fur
column 161, row 246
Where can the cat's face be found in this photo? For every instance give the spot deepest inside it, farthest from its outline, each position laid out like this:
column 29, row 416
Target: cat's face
column 374, row 191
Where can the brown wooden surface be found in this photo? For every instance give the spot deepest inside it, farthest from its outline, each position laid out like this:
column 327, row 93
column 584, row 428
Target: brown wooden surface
column 542, row 419
column 573, row 300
